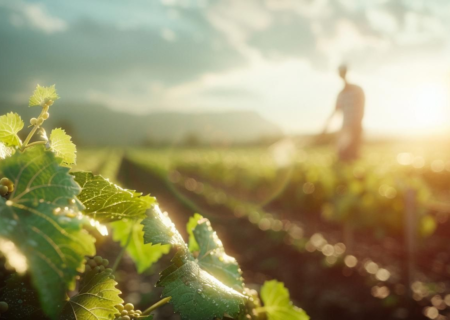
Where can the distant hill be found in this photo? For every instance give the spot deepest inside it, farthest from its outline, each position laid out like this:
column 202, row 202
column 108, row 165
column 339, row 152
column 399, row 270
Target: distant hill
column 95, row 125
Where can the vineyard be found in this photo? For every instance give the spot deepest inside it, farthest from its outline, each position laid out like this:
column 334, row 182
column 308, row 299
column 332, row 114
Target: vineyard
column 365, row 240
column 378, row 225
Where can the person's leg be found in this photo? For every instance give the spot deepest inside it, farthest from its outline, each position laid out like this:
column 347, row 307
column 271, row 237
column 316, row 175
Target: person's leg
column 351, row 148
column 344, row 143
column 357, row 138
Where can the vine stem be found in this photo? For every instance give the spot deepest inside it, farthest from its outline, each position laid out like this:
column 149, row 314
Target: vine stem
column 33, row 131
column 124, row 248
column 156, row 305
column 34, row 144
column 30, row 135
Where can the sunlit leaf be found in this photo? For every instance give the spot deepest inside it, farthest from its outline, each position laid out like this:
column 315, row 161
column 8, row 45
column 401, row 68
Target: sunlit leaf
column 40, row 218
column 277, row 303
column 159, row 229
column 10, row 124
column 42, row 95
column 105, row 201
column 196, row 294
column 95, row 300
column 213, row 259
column 62, row 145
column 193, row 245
column 143, row 255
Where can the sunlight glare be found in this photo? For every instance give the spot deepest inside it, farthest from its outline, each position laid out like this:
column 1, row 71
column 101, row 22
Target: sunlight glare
column 13, row 256
column 428, row 104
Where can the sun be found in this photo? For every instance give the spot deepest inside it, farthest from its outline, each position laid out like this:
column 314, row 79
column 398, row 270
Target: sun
column 427, row 107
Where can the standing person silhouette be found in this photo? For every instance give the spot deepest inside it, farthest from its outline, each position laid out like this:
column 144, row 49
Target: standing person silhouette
column 350, row 102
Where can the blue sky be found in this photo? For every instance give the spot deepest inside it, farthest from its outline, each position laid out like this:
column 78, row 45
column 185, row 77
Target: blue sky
column 277, row 57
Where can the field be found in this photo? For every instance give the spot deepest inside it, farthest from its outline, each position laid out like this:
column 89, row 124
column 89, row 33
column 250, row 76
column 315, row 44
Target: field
column 360, row 241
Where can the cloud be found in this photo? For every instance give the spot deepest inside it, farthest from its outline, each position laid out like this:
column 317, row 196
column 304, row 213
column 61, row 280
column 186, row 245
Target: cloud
column 382, row 20
column 237, row 20
column 347, row 41
column 265, row 55
column 38, row 17
column 110, row 59
column 35, row 16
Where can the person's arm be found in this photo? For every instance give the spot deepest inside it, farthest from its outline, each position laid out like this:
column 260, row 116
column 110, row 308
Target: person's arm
column 330, row 117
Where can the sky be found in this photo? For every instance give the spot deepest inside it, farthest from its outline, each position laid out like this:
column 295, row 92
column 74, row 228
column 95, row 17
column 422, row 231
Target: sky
column 275, row 57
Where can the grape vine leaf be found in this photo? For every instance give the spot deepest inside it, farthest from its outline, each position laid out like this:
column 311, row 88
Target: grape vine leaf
column 158, row 228
column 40, row 218
column 142, row 255
column 195, row 293
column 61, row 144
column 277, row 303
column 193, row 245
column 213, row 259
column 10, row 124
column 41, row 94
column 96, row 299
column 105, row 201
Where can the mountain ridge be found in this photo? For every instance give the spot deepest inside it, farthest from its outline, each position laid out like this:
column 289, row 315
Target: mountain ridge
column 97, row 125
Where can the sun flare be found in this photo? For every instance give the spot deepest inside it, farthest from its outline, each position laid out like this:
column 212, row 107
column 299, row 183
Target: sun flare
column 428, row 105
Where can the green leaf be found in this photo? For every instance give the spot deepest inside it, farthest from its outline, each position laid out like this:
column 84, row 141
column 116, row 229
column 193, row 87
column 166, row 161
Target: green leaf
column 105, row 201
column 5, row 151
column 158, row 228
column 213, row 259
column 42, row 95
column 10, row 124
column 142, row 255
column 95, row 300
column 277, row 303
column 37, row 175
column 192, row 223
column 41, row 219
column 61, row 144
column 195, row 293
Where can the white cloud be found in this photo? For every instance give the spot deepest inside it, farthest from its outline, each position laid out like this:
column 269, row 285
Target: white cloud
column 381, row 20
column 348, row 39
column 237, row 20
column 421, row 28
column 168, row 35
column 40, row 19
column 35, row 16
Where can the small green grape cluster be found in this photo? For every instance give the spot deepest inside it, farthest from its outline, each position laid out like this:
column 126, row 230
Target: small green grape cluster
column 97, row 264
column 6, row 187
column 127, row 312
column 44, row 115
column 3, row 307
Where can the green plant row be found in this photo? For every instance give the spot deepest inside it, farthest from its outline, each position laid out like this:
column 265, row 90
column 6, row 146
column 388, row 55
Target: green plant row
column 366, row 195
